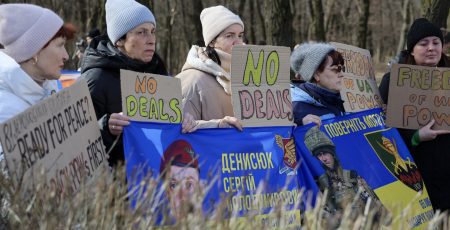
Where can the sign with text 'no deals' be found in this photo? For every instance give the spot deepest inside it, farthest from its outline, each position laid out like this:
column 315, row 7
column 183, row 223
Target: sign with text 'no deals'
column 260, row 85
column 360, row 91
column 60, row 135
column 417, row 95
column 151, row 97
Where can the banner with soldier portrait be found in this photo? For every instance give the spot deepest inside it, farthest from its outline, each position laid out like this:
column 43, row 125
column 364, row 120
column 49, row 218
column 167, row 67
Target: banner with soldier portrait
column 358, row 156
column 253, row 171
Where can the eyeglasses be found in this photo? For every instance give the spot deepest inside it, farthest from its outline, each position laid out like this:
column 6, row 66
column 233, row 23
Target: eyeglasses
column 337, row 68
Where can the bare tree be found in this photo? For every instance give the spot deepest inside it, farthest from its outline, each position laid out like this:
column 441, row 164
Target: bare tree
column 317, row 17
column 405, row 25
column 363, row 8
column 436, row 11
column 278, row 22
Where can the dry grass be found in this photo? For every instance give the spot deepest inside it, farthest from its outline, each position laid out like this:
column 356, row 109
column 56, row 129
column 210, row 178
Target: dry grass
column 105, row 204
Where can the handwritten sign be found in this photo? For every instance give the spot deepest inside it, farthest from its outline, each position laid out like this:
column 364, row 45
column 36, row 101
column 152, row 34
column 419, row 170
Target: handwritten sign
column 360, row 91
column 151, row 97
column 418, row 94
column 60, row 135
column 260, row 85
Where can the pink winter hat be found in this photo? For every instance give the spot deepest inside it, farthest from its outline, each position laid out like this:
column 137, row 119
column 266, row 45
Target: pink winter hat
column 26, row 28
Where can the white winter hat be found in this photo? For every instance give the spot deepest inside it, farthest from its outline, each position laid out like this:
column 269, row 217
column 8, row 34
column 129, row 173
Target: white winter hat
column 306, row 58
column 215, row 20
column 26, row 28
column 125, row 15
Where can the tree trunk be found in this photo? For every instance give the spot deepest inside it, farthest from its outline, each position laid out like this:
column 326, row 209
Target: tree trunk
column 436, row 11
column 317, row 15
column 362, row 25
column 259, row 11
column 278, row 22
column 405, row 25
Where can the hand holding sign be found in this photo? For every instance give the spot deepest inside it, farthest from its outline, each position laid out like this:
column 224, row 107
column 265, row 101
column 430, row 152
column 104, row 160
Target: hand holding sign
column 426, row 133
column 116, row 123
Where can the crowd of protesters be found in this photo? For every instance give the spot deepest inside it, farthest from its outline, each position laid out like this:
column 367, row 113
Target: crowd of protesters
column 33, row 53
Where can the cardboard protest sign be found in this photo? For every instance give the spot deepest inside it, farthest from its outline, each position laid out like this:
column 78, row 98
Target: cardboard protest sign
column 357, row 152
column 260, row 85
column 418, row 94
column 60, row 135
column 151, row 97
column 360, row 90
column 249, row 172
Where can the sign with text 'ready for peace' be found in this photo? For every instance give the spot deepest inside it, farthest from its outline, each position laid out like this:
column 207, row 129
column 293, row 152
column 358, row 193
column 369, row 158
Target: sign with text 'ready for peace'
column 260, row 85
column 418, row 94
column 151, row 97
column 59, row 135
column 359, row 90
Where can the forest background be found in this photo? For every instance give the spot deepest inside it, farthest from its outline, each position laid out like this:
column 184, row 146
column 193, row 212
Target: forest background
column 377, row 25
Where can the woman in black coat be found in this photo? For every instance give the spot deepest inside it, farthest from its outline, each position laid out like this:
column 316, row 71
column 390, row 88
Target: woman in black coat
column 429, row 147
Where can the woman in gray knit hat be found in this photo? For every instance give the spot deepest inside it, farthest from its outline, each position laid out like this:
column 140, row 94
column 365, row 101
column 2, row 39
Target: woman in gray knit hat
column 205, row 77
column 429, row 147
column 319, row 67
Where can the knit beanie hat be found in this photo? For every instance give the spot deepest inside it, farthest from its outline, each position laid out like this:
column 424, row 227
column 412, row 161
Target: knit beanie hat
column 420, row 29
column 215, row 20
column 306, row 58
column 125, row 15
column 26, row 28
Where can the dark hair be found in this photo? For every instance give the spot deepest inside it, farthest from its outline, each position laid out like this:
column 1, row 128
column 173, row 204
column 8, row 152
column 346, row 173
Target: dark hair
column 444, row 62
column 67, row 31
column 93, row 33
column 336, row 57
column 211, row 53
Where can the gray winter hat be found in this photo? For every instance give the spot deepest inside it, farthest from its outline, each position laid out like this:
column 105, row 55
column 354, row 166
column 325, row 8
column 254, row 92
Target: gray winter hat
column 125, row 15
column 306, row 58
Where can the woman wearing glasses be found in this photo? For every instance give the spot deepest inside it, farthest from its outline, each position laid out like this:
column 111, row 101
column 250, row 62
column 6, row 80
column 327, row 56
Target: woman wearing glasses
column 205, row 77
column 130, row 45
column 315, row 92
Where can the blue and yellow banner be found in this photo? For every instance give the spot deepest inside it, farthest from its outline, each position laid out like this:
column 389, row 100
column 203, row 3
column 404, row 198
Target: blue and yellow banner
column 255, row 170
column 357, row 155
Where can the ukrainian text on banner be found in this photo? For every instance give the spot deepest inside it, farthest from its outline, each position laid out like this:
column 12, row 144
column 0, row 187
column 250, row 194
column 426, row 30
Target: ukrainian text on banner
column 250, row 171
column 359, row 152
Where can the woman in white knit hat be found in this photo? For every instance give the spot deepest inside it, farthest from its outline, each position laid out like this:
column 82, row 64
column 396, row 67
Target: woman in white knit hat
column 129, row 44
column 320, row 68
column 205, row 77
column 33, row 56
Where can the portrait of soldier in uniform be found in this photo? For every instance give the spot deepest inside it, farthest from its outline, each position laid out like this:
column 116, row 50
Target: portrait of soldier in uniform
column 343, row 185
column 181, row 174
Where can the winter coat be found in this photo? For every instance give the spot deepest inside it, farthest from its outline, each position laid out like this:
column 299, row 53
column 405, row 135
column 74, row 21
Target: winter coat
column 101, row 66
column 309, row 98
column 206, row 87
column 432, row 157
column 18, row 91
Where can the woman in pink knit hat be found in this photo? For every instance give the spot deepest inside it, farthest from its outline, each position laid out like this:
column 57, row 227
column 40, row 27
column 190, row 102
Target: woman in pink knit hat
column 32, row 57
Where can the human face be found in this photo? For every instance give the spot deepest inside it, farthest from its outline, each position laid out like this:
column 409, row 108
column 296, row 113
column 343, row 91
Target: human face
column 232, row 35
column 139, row 43
column 428, row 51
column 49, row 61
column 327, row 159
column 331, row 76
column 182, row 188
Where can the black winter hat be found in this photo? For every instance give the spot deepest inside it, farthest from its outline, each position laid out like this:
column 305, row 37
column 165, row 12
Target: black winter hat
column 422, row 28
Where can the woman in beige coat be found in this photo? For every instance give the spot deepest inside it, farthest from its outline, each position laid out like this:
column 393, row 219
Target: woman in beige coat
column 205, row 77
